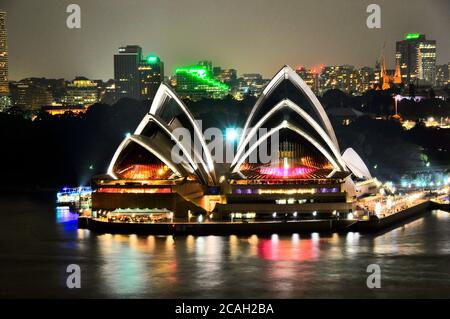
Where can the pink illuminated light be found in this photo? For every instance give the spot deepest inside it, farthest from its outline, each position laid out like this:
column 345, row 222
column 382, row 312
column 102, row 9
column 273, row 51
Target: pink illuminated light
column 286, row 172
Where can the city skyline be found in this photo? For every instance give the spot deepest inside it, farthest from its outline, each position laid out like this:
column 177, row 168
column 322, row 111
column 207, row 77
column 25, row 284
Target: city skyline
column 250, row 155
column 3, row 55
column 228, row 44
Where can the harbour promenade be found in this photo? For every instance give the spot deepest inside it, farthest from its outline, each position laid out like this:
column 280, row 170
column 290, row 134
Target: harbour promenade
column 371, row 225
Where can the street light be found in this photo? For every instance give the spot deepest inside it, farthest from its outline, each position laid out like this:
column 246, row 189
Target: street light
column 397, row 98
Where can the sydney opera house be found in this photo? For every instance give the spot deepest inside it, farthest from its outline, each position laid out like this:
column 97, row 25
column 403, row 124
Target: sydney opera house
column 311, row 177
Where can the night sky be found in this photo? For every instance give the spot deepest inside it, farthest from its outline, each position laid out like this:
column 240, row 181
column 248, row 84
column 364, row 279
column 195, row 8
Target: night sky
column 248, row 35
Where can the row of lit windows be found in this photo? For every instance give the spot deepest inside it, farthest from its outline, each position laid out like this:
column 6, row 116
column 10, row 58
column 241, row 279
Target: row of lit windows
column 263, row 191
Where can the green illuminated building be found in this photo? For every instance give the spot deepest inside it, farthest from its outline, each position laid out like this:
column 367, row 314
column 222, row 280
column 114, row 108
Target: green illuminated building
column 151, row 75
column 411, row 36
column 416, row 57
column 196, row 82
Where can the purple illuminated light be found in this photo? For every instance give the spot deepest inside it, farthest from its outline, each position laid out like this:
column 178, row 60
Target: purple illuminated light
column 286, row 172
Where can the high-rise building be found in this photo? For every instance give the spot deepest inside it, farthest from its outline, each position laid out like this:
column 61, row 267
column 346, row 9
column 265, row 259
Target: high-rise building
column 342, row 77
column 443, row 75
column 196, row 82
column 4, row 86
column 5, row 103
column 151, row 74
column 136, row 77
column 365, row 79
column 351, row 80
column 30, row 95
column 416, row 57
column 126, row 71
column 81, row 91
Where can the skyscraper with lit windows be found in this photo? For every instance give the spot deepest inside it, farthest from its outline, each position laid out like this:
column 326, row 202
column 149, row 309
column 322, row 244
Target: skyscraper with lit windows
column 342, row 77
column 4, row 89
column 417, row 58
column 126, row 73
column 136, row 77
column 151, row 74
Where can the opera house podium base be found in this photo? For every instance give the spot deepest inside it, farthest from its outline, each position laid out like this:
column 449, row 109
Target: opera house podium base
column 216, row 228
column 323, row 226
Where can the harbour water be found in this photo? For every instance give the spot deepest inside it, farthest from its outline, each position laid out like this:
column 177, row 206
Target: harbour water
column 38, row 242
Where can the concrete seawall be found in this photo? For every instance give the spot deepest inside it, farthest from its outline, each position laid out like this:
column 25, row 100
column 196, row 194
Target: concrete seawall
column 279, row 227
column 391, row 220
column 225, row 228
column 445, row 207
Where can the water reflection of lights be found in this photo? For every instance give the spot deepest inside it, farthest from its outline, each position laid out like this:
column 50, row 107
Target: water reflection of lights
column 128, row 269
column 352, row 244
column 190, row 244
column 83, row 233
column 200, row 245
column 253, row 241
column 288, row 258
column 66, row 218
column 295, row 239
column 209, row 258
column 120, row 274
column 151, row 243
column 171, row 268
column 352, row 238
column 335, row 238
column 335, row 250
column 133, row 240
column 440, row 214
column 170, row 242
column 63, row 214
column 315, row 237
column 234, row 246
column 296, row 250
column 282, row 266
column 388, row 243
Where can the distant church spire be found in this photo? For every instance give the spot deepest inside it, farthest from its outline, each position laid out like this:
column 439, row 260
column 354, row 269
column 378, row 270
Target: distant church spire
column 387, row 80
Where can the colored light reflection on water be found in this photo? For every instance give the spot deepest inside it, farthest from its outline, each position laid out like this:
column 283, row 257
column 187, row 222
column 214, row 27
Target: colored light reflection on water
column 68, row 219
column 298, row 249
column 280, row 266
column 440, row 214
